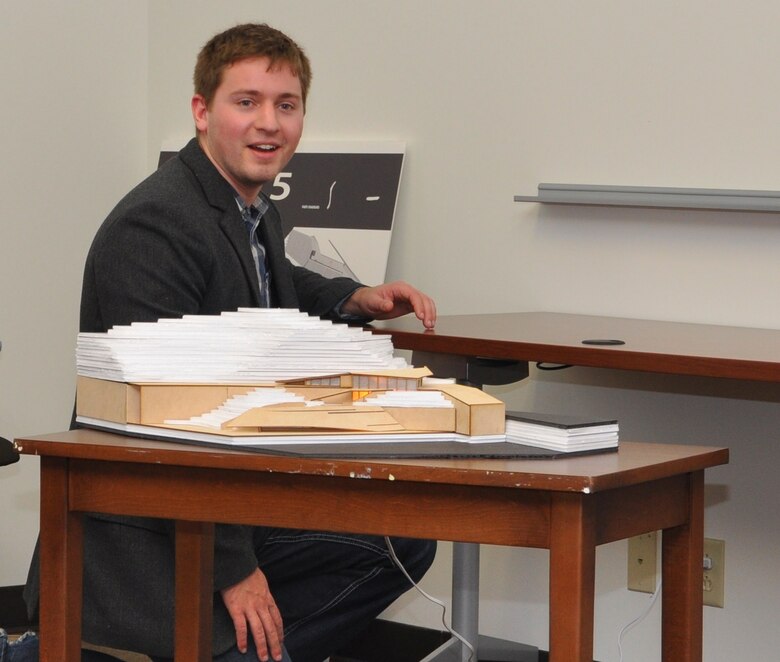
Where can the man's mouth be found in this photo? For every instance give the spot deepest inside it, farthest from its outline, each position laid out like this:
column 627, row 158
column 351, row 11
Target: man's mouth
column 265, row 148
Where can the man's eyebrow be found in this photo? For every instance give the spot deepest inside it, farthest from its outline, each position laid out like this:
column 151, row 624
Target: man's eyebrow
column 258, row 93
column 245, row 93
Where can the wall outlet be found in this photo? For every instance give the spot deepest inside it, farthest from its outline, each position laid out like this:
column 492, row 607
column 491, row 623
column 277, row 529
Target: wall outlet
column 714, row 566
column 643, row 567
column 643, row 562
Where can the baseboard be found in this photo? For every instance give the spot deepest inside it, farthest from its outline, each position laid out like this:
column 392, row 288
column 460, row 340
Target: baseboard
column 383, row 641
column 13, row 611
column 388, row 641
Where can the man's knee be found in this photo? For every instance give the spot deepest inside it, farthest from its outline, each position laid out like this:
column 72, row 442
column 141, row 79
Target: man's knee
column 415, row 555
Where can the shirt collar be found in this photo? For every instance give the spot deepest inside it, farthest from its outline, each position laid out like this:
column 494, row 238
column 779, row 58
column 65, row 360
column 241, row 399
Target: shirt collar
column 259, row 203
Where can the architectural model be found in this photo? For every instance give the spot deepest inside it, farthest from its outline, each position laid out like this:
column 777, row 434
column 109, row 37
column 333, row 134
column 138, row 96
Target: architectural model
column 269, row 375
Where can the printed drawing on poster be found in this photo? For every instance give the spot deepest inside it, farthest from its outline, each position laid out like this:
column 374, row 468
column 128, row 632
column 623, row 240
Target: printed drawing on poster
column 337, row 201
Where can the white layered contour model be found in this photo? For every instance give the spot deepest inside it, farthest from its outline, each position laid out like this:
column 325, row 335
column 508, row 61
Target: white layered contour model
column 248, row 346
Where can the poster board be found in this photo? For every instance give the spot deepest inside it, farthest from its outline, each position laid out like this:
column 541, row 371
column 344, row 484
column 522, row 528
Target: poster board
column 337, row 201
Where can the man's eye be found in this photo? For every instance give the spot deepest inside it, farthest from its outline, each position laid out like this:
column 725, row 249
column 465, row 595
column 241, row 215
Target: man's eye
column 287, row 106
column 245, row 103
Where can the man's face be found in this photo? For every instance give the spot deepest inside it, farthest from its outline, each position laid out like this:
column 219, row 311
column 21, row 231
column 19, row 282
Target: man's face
column 253, row 125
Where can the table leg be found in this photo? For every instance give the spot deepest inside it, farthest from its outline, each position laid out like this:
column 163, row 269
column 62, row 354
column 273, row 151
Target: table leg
column 572, row 578
column 61, row 559
column 683, row 551
column 194, row 591
column 465, row 594
column 465, row 618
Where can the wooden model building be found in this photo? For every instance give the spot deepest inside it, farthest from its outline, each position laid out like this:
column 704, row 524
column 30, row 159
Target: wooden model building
column 267, row 373
column 383, row 401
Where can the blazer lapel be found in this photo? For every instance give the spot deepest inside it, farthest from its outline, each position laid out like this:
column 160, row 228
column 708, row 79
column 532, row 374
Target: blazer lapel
column 282, row 285
column 220, row 195
column 233, row 226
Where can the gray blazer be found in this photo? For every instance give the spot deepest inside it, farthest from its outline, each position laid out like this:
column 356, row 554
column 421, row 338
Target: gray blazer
column 175, row 245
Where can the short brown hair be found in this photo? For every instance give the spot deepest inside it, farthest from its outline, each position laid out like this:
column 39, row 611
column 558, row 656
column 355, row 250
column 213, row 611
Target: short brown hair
column 245, row 41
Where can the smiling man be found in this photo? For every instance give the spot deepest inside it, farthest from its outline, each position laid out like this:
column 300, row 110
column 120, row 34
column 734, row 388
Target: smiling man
column 248, row 107
column 251, row 126
column 199, row 236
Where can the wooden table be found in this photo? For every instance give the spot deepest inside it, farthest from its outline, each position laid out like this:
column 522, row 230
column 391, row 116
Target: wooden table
column 671, row 348
column 568, row 506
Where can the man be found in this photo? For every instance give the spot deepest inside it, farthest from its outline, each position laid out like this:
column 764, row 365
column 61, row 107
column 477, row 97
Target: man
column 200, row 237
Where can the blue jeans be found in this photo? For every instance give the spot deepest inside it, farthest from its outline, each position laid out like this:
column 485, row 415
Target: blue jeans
column 330, row 586
column 25, row 649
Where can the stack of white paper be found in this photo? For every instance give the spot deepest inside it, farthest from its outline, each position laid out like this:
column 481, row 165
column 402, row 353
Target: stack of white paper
column 561, row 433
column 251, row 345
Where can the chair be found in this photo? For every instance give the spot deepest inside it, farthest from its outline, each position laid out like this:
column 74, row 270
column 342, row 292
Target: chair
column 8, row 454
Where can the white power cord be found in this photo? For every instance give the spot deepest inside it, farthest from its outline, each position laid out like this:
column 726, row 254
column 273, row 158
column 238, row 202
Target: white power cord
column 638, row 619
column 455, row 634
column 460, row 638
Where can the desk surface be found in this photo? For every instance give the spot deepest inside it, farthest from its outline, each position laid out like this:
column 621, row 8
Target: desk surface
column 650, row 346
column 633, row 463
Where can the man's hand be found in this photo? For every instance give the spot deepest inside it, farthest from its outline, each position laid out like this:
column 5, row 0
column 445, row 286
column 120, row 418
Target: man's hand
column 391, row 300
column 252, row 608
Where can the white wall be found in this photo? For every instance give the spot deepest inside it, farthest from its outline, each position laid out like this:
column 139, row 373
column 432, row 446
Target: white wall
column 491, row 98
column 73, row 121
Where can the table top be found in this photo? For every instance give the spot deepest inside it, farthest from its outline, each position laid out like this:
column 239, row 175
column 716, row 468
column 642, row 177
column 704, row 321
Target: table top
column 650, row 346
column 632, row 463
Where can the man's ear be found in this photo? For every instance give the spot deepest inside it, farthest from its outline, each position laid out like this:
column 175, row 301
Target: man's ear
column 200, row 112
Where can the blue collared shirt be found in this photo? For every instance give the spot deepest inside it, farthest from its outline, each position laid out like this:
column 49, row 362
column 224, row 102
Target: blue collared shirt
column 252, row 215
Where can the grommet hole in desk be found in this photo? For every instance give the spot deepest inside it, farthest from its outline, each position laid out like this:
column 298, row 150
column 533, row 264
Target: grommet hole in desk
column 603, row 341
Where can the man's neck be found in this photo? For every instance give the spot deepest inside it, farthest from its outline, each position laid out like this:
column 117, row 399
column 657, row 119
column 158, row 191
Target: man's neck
column 247, row 196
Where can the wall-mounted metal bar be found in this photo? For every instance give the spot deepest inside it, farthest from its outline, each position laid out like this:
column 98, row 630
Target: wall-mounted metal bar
column 648, row 196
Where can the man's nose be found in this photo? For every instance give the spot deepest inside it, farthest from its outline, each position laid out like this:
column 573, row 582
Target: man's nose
column 266, row 118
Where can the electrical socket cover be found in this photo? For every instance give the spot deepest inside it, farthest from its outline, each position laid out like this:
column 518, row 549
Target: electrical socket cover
column 643, row 562
column 714, row 567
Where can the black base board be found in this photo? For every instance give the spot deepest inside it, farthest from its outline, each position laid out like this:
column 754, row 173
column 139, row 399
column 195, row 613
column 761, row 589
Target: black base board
column 387, row 641
column 382, row 641
column 13, row 611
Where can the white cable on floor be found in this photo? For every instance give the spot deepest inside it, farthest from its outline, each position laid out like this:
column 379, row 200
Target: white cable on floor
column 638, row 619
column 460, row 638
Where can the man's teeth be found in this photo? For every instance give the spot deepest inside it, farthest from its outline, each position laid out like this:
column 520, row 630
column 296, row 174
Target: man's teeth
column 265, row 148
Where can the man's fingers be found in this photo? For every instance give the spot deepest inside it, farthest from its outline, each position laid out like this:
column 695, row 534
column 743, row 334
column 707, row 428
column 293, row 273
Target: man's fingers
column 267, row 632
column 254, row 612
column 241, row 634
column 276, row 616
column 258, row 635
